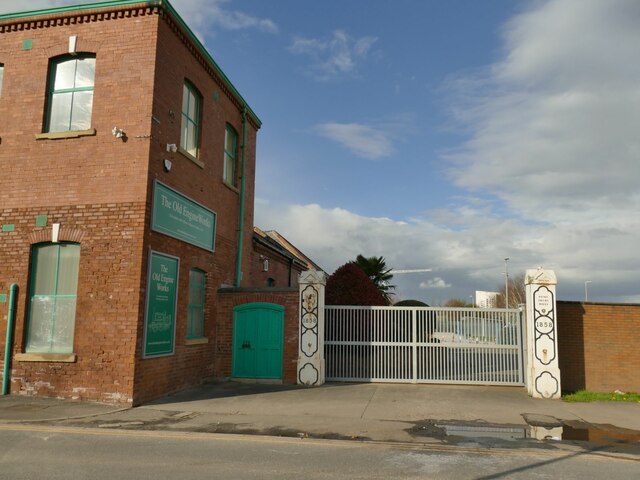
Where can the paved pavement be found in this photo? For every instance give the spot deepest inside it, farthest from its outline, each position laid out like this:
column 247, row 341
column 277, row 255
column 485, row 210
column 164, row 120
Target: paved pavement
column 423, row 414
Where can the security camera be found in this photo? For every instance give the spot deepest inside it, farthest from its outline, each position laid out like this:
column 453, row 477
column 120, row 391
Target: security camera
column 171, row 147
column 167, row 165
column 117, row 132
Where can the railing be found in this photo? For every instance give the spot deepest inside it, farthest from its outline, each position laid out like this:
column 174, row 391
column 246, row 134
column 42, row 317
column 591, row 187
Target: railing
column 424, row 345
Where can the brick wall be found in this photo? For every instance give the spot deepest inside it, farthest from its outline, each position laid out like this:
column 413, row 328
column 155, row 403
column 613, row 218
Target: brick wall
column 94, row 186
column 107, row 311
column 283, row 272
column 598, row 346
column 229, row 298
column 90, row 169
column 99, row 188
column 203, row 182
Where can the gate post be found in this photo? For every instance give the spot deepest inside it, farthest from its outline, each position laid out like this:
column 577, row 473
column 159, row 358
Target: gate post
column 543, row 372
column 311, row 368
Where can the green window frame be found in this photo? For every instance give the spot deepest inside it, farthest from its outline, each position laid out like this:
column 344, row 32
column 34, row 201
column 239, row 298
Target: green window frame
column 230, row 175
column 1, row 76
column 53, row 293
column 70, row 93
column 190, row 125
column 195, row 308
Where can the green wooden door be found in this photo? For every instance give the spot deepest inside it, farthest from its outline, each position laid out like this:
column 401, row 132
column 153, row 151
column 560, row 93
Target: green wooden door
column 258, row 338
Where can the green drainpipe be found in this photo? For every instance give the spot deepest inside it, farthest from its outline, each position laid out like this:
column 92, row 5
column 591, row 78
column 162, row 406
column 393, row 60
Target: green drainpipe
column 8, row 346
column 241, row 232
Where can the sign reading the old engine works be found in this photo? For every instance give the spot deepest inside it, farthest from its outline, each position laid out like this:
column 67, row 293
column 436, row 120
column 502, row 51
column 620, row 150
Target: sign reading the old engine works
column 162, row 292
column 180, row 217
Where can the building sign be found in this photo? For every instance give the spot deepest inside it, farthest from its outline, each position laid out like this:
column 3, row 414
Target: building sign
column 162, row 293
column 180, row 217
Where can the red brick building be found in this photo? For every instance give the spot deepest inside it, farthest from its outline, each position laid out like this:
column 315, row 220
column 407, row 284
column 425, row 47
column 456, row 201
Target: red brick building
column 126, row 199
column 277, row 262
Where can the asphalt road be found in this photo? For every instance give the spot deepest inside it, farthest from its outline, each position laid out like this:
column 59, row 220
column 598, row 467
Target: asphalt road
column 41, row 452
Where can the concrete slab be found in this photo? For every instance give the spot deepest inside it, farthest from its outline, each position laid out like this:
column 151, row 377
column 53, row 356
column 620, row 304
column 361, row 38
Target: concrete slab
column 421, row 414
column 21, row 408
column 333, row 400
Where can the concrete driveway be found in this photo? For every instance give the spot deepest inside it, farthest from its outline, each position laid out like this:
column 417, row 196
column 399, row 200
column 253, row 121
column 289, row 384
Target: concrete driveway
column 422, row 414
column 394, row 402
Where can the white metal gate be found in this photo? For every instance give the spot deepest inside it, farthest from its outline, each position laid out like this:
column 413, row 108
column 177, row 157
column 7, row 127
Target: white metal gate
column 424, row 345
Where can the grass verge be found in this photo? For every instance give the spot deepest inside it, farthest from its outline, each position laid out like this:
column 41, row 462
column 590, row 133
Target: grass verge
column 587, row 396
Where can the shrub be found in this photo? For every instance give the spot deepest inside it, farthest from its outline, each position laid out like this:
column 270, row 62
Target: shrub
column 410, row 303
column 349, row 285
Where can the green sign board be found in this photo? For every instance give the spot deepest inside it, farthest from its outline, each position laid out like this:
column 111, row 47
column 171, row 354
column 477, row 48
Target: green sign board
column 182, row 218
column 162, row 293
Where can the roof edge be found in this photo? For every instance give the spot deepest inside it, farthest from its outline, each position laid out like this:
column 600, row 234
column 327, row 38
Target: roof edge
column 275, row 247
column 163, row 4
column 77, row 8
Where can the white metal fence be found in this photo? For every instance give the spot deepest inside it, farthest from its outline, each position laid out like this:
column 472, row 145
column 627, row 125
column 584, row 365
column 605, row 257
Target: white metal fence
column 424, row 345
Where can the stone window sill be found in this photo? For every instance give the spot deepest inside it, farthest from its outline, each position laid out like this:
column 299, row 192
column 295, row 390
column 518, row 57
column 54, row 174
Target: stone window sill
column 69, row 134
column 230, row 186
column 46, row 357
column 196, row 341
column 186, row 154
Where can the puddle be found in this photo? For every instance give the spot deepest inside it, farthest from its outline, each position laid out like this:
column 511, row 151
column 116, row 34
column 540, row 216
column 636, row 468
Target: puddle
column 604, row 434
column 276, row 431
column 546, row 429
column 479, row 432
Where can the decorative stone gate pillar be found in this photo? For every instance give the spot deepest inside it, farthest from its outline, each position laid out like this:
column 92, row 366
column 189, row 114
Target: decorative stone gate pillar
column 311, row 344
column 543, row 373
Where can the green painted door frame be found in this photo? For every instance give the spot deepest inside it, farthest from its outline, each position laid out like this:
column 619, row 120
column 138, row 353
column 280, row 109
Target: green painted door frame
column 258, row 341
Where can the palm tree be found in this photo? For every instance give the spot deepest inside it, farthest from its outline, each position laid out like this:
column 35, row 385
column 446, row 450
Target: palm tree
column 380, row 275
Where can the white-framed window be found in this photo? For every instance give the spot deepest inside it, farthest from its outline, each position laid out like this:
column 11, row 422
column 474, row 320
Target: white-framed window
column 70, row 99
column 53, row 292
column 190, row 124
column 230, row 175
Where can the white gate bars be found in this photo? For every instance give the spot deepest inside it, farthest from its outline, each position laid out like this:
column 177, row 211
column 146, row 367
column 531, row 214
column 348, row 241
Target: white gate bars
column 424, row 345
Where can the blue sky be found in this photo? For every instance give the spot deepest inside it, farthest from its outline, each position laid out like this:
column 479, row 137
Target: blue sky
column 443, row 134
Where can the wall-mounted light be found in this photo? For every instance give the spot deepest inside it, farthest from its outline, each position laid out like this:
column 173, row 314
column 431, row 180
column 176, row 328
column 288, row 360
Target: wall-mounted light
column 167, row 165
column 171, row 147
column 265, row 263
column 118, row 132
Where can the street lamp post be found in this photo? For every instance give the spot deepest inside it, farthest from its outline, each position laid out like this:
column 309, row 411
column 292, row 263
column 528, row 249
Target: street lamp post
column 506, row 283
column 586, row 290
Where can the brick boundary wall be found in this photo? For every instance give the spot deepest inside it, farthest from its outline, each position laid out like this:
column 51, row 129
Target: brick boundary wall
column 598, row 346
column 107, row 310
column 232, row 297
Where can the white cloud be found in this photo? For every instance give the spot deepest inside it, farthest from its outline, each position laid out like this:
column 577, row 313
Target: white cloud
column 339, row 55
column 554, row 134
column 362, row 140
column 309, row 46
column 555, row 122
column 436, row 282
column 468, row 252
column 200, row 14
